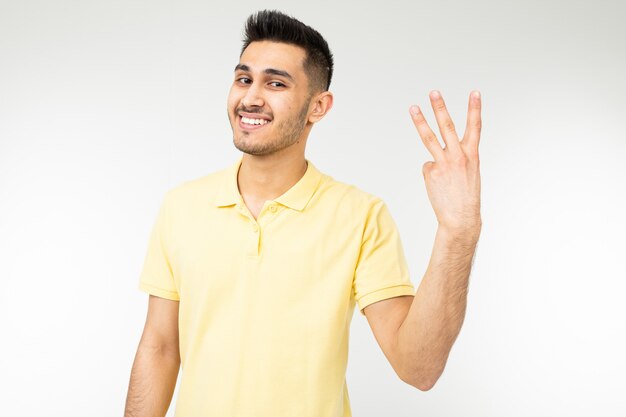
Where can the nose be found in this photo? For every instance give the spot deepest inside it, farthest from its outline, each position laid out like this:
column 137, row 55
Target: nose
column 253, row 97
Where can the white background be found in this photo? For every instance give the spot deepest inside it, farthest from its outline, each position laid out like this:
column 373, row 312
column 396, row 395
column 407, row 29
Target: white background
column 106, row 105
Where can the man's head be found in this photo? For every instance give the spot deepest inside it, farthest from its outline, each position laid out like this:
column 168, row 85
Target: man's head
column 281, row 84
column 271, row 25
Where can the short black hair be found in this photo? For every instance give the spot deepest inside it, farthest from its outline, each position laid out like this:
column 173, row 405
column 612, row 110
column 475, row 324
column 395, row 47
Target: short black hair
column 273, row 25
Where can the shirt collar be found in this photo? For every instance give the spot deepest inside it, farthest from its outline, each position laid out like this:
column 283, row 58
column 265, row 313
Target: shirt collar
column 297, row 197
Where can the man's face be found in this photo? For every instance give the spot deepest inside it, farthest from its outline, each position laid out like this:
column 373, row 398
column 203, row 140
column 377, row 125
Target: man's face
column 269, row 100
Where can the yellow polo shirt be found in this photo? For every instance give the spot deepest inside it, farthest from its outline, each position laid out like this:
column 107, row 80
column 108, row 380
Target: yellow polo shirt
column 266, row 304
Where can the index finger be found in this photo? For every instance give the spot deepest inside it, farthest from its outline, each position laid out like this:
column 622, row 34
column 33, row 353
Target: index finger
column 428, row 136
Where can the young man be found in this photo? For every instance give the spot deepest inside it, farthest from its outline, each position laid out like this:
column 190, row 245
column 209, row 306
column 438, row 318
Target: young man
column 254, row 271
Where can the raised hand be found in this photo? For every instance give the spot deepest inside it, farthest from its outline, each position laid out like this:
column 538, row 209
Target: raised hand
column 453, row 178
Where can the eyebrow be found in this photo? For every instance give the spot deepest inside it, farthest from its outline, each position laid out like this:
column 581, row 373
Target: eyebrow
column 270, row 71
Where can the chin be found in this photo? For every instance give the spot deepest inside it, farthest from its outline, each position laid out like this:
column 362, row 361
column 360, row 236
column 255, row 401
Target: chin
column 246, row 148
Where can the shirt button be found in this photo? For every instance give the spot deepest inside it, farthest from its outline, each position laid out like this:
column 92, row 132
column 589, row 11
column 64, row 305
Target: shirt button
column 255, row 228
column 273, row 209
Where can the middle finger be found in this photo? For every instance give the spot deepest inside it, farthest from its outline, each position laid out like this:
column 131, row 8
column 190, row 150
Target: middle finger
column 444, row 121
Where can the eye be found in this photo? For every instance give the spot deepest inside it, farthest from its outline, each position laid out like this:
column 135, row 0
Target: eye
column 277, row 84
column 243, row 80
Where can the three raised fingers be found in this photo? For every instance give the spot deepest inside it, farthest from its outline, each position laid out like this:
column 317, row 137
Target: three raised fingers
column 446, row 126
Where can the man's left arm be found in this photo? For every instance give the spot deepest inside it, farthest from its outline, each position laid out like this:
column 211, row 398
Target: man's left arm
column 434, row 319
column 436, row 314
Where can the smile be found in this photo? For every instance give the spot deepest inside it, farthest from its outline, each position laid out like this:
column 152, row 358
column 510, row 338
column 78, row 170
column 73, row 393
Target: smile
column 247, row 123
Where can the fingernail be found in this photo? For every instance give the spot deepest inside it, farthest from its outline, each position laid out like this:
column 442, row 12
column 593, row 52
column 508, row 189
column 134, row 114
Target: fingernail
column 476, row 94
column 435, row 94
column 415, row 110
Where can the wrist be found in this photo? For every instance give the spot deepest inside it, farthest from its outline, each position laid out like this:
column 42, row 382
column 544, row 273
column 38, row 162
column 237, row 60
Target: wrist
column 464, row 231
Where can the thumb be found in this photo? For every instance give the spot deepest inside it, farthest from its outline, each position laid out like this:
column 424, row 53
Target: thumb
column 428, row 166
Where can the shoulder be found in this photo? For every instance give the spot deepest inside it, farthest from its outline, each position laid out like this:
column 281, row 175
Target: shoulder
column 349, row 198
column 199, row 190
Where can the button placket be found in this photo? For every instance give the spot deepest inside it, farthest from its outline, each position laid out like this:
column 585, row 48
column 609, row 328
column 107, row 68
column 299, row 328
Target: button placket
column 265, row 216
column 255, row 238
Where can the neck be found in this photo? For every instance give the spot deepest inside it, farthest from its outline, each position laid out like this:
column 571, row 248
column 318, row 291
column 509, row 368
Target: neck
column 267, row 177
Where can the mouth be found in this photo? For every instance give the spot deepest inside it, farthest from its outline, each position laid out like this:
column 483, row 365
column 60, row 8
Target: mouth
column 250, row 122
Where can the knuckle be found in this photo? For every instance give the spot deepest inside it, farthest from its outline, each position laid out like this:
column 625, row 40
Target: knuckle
column 472, row 155
column 460, row 159
column 440, row 106
column 448, row 126
column 420, row 119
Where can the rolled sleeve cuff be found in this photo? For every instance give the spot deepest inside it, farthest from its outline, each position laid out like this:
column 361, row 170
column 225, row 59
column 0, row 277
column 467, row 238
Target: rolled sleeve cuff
column 383, row 294
column 159, row 292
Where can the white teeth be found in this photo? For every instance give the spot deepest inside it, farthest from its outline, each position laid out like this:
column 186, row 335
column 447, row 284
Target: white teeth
column 254, row 121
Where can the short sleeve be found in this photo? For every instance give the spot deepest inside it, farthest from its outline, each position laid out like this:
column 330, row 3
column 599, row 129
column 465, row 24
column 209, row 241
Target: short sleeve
column 156, row 276
column 382, row 271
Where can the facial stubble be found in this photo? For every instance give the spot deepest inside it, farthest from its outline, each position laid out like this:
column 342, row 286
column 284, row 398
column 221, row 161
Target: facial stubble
column 289, row 130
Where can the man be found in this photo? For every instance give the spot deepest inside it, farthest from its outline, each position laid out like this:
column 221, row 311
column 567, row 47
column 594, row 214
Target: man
column 254, row 271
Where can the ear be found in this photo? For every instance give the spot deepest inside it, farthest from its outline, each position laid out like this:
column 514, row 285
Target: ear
column 322, row 104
